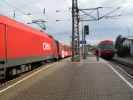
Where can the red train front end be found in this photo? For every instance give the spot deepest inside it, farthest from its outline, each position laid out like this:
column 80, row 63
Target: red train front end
column 105, row 49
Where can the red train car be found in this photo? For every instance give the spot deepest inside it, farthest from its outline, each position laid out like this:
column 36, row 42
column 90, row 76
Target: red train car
column 21, row 44
column 68, row 50
column 106, row 49
column 64, row 50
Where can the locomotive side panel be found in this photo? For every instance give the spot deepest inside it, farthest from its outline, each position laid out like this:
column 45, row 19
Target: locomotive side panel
column 2, row 44
column 55, row 48
column 2, row 51
column 26, row 47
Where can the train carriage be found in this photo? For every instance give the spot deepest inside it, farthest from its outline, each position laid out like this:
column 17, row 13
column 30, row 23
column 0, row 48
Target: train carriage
column 64, row 50
column 21, row 45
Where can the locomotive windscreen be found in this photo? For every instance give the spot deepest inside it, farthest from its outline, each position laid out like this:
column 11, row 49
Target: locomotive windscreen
column 106, row 46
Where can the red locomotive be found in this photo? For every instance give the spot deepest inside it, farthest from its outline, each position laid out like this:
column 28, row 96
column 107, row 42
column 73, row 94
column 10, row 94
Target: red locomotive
column 105, row 49
column 21, row 46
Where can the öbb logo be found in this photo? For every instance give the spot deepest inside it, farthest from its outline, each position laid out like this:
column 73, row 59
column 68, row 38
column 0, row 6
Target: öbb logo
column 46, row 46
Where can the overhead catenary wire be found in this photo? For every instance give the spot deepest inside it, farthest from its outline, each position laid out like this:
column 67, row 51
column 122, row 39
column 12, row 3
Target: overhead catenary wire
column 20, row 11
column 26, row 14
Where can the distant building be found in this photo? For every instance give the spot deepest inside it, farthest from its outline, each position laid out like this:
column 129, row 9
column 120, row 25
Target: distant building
column 128, row 42
column 131, row 45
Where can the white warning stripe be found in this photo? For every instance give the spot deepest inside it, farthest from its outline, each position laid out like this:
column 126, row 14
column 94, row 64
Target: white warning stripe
column 123, row 78
column 125, row 72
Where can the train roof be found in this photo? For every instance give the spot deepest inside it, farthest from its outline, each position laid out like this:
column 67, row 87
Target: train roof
column 106, row 42
column 11, row 22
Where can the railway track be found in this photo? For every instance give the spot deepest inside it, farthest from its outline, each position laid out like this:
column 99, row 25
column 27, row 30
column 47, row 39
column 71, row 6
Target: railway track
column 127, row 68
column 124, row 67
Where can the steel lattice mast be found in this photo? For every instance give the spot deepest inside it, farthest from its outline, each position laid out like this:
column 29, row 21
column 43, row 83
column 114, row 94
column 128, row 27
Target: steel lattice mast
column 75, row 29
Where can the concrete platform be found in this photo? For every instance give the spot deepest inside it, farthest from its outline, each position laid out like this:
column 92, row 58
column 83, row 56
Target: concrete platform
column 85, row 80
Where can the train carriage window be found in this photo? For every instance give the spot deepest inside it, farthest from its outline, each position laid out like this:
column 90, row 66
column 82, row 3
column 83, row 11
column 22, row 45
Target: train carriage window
column 106, row 46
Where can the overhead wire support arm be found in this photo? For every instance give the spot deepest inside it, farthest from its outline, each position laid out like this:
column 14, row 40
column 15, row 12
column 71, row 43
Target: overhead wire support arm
column 92, row 18
column 107, row 14
column 91, row 8
column 98, row 17
column 87, row 14
column 83, row 20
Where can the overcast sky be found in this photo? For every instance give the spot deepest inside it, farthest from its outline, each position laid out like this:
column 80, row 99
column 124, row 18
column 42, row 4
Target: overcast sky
column 103, row 29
